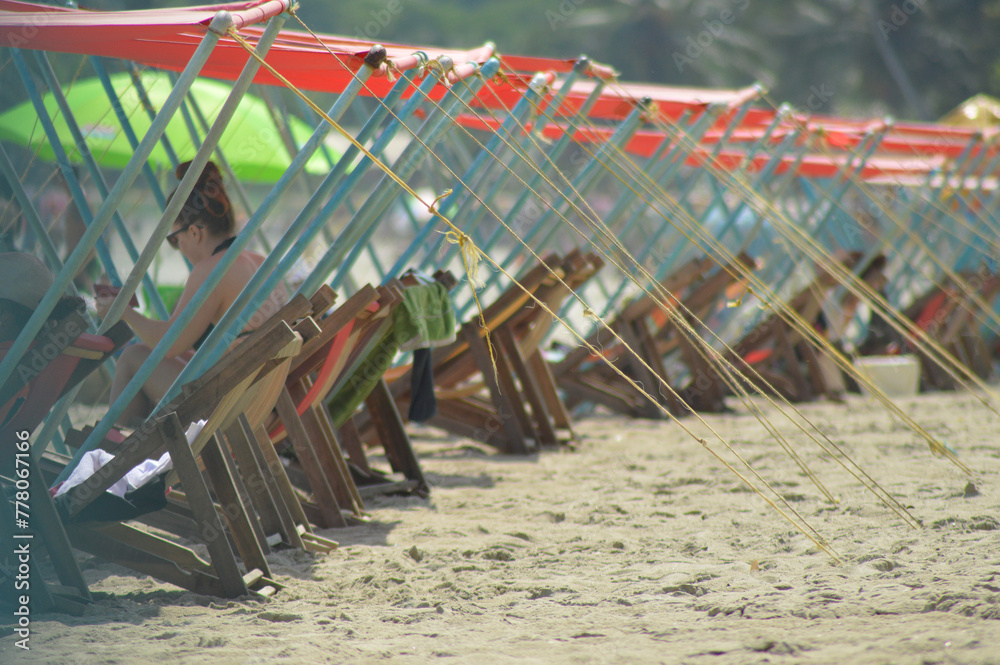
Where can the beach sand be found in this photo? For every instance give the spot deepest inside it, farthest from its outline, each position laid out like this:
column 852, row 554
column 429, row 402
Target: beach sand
column 637, row 547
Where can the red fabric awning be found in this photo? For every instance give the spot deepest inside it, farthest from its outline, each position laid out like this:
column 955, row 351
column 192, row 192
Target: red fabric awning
column 644, row 143
column 40, row 27
column 166, row 38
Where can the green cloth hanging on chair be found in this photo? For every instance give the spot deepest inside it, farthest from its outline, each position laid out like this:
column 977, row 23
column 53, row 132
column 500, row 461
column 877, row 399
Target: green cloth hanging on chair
column 425, row 319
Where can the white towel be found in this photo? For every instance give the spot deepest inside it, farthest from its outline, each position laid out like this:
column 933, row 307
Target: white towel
column 134, row 479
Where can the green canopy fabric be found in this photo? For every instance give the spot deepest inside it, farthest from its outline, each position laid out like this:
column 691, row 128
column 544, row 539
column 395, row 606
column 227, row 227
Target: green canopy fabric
column 251, row 142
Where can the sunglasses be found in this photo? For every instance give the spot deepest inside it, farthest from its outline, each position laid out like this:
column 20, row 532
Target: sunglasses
column 172, row 237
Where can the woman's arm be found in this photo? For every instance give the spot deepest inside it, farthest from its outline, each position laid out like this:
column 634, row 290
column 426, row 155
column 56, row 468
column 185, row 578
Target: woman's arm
column 151, row 331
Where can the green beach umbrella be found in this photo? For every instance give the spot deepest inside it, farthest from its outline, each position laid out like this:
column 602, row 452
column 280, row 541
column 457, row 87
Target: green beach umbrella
column 251, row 142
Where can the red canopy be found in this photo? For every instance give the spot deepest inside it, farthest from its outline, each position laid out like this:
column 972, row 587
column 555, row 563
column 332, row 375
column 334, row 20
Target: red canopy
column 46, row 28
column 166, row 38
column 880, row 168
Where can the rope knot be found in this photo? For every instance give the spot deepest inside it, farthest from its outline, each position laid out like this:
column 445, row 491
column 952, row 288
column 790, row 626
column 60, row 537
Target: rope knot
column 471, row 256
column 391, row 71
column 432, row 66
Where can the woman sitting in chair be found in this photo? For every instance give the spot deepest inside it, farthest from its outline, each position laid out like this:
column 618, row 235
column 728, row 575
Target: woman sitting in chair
column 24, row 281
column 202, row 232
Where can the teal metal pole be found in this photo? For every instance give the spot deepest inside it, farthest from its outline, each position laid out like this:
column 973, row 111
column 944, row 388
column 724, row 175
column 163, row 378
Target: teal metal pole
column 79, row 199
column 95, row 175
column 160, row 232
column 147, row 106
column 516, row 211
column 127, row 129
column 351, row 240
column 477, row 170
column 29, row 212
column 78, row 256
column 276, row 264
column 586, row 178
column 471, row 213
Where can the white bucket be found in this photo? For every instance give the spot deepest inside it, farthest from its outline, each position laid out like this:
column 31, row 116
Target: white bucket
column 896, row 376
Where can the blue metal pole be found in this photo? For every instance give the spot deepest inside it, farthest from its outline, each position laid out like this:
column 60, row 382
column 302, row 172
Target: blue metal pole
column 170, row 214
column 275, row 266
column 471, row 213
column 78, row 256
column 151, row 112
column 548, row 166
column 362, row 225
column 479, row 169
column 95, row 174
column 588, row 176
column 79, row 199
column 127, row 129
column 29, row 212
column 662, row 170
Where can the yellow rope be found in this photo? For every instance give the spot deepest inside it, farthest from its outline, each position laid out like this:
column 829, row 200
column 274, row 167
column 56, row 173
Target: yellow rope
column 574, row 294
column 815, row 538
column 763, row 208
column 737, row 389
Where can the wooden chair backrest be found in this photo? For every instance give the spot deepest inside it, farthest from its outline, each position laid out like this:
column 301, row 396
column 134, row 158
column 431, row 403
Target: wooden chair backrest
column 225, row 386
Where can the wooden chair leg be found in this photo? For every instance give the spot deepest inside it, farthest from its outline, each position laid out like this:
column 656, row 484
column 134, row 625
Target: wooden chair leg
column 350, row 438
column 248, row 536
column 322, row 491
column 647, row 344
column 283, row 486
column 510, row 423
column 275, row 479
column 556, row 407
column 152, row 555
column 817, row 377
column 646, row 380
column 54, row 535
column 212, row 531
column 529, row 385
column 395, row 440
column 792, row 370
column 256, row 483
column 317, row 424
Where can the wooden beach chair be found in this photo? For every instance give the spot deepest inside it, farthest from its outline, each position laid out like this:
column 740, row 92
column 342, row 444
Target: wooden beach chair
column 947, row 315
column 345, row 357
column 703, row 298
column 516, row 408
column 301, row 418
column 364, row 378
column 236, row 384
column 218, row 397
column 261, row 480
column 27, row 398
column 70, row 355
column 651, row 334
column 522, row 338
column 776, row 358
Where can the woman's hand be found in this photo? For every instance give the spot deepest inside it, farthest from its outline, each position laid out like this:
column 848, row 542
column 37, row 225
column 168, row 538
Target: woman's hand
column 104, row 305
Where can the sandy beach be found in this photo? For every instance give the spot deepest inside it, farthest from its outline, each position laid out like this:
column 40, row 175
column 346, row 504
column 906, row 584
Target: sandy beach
column 636, row 547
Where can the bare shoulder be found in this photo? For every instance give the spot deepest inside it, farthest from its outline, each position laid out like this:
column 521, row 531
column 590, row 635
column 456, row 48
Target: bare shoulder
column 254, row 257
